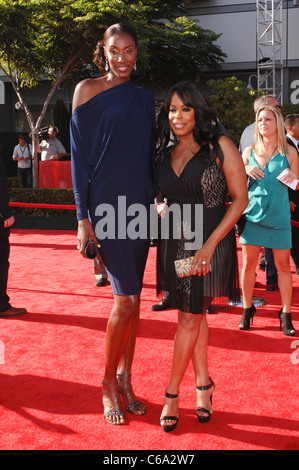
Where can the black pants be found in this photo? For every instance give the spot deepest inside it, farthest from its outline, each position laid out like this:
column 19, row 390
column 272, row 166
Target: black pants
column 4, row 266
column 25, row 177
column 295, row 246
column 271, row 271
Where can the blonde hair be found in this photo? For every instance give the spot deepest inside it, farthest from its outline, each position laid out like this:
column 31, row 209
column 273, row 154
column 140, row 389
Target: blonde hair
column 281, row 137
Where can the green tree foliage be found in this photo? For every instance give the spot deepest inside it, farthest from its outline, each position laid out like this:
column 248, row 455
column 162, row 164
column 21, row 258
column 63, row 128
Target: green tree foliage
column 233, row 102
column 170, row 47
column 55, row 39
column 179, row 50
column 289, row 108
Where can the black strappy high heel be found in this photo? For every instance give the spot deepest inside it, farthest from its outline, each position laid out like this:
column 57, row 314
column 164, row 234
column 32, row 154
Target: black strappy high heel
column 248, row 315
column 205, row 419
column 285, row 319
column 169, row 427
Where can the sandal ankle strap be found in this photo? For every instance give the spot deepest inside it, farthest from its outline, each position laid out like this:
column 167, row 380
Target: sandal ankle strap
column 111, row 384
column 169, row 395
column 205, row 387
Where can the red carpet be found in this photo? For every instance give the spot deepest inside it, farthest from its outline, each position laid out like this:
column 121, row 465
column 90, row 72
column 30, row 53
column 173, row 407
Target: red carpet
column 51, row 363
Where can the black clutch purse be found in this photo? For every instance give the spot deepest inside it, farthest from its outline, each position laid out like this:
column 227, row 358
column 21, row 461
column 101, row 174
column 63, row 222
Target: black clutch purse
column 91, row 250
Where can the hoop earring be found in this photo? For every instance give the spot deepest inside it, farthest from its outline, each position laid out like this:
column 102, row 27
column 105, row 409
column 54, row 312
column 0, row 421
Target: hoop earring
column 135, row 65
column 107, row 67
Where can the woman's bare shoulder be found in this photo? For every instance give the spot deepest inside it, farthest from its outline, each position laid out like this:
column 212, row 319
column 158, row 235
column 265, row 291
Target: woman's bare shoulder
column 227, row 145
column 87, row 89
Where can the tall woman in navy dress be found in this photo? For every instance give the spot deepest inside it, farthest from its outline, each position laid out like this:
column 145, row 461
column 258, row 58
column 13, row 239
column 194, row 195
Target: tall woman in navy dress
column 197, row 170
column 112, row 135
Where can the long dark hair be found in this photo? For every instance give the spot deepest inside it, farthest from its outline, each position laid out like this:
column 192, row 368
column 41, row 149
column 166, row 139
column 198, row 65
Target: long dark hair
column 117, row 28
column 206, row 131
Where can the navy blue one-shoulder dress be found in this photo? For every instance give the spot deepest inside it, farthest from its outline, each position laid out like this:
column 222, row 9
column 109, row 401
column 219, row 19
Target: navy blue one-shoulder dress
column 112, row 147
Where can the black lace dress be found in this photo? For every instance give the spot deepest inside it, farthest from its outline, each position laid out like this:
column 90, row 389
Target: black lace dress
column 200, row 183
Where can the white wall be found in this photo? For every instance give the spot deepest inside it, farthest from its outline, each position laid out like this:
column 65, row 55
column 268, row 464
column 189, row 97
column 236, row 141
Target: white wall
column 238, row 28
column 238, row 31
column 292, row 24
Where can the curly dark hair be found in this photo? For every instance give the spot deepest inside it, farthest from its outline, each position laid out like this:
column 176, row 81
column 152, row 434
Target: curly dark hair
column 206, row 130
column 118, row 28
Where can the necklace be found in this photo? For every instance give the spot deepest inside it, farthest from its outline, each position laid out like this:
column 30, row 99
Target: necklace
column 266, row 157
column 273, row 152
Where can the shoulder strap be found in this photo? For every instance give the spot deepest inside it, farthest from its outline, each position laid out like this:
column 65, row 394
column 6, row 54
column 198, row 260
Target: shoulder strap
column 252, row 150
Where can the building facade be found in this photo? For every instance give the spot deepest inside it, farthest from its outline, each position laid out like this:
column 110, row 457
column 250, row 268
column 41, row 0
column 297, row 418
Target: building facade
column 237, row 22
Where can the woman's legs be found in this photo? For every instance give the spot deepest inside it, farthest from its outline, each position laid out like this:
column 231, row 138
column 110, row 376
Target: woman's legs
column 200, row 364
column 124, row 372
column 126, row 360
column 119, row 349
column 250, row 259
column 285, row 281
column 184, row 344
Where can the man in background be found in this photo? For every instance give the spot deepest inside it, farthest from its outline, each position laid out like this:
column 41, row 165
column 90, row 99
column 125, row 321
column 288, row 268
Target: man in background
column 6, row 221
column 23, row 155
column 51, row 148
column 292, row 129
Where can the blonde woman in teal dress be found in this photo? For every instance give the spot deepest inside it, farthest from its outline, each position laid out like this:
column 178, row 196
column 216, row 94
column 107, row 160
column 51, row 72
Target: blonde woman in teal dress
column 268, row 219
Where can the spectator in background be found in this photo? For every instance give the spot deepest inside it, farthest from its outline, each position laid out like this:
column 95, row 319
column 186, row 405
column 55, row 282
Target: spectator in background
column 268, row 221
column 292, row 128
column 6, row 221
column 23, row 155
column 247, row 139
column 51, row 148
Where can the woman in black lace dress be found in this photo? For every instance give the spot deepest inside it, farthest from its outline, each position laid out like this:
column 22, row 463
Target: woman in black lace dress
column 195, row 174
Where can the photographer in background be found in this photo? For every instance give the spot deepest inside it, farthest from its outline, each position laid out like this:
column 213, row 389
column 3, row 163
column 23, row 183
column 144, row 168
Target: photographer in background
column 51, row 148
column 23, row 154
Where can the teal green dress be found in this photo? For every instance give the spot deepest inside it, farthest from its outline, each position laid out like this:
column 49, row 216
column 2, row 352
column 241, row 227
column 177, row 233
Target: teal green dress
column 268, row 217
